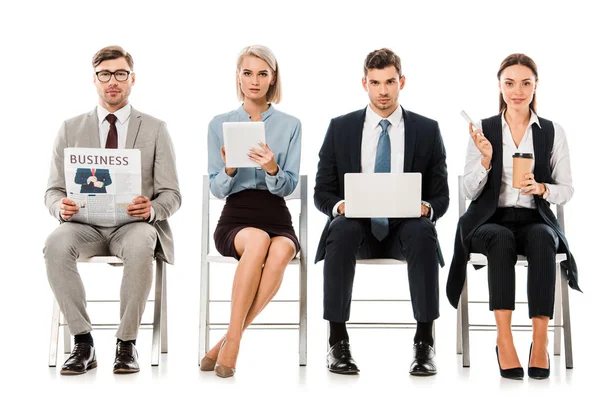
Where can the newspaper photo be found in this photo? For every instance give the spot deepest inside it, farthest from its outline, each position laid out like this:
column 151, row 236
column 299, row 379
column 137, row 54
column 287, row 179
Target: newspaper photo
column 103, row 182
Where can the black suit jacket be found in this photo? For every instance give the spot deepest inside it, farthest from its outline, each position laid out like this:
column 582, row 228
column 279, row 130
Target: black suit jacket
column 424, row 152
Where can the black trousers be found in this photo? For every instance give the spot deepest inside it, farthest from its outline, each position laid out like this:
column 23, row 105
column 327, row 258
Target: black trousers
column 413, row 240
column 513, row 231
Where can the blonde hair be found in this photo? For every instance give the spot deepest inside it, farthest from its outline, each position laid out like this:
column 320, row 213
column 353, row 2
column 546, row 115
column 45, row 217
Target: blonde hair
column 265, row 54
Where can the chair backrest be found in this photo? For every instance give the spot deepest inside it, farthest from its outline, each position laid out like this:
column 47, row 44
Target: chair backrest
column 300, row 194
column 462, row 204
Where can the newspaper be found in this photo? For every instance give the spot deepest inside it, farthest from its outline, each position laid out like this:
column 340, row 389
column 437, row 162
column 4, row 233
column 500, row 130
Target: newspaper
column 103, row 182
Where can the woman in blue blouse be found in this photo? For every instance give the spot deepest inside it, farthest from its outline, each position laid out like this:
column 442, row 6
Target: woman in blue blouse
column 255, row 226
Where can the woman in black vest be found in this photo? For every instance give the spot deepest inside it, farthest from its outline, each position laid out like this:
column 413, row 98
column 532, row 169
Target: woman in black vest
column 502, row 221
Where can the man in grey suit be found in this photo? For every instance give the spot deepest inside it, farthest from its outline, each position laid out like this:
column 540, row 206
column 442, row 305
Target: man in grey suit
column 113, row 124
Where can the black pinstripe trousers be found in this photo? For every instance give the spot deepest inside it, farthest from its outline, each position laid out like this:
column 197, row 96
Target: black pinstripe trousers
column 513, row 231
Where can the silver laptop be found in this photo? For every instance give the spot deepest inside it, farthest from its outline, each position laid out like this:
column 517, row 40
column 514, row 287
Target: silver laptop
column 391, row 195
column 238, row 139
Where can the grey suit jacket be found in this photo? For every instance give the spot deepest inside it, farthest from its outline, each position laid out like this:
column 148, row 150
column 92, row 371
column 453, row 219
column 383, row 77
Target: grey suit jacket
column 159, row 175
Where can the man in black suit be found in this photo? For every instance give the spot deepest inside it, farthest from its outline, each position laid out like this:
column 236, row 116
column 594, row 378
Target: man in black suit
column 93, row 180
column 368, row 140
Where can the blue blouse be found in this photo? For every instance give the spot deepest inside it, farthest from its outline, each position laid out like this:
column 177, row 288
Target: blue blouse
column 283, row 134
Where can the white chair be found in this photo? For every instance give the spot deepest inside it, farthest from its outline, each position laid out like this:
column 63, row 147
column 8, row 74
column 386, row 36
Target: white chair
column 300, row 194
column 562, row 316
column 159, row 325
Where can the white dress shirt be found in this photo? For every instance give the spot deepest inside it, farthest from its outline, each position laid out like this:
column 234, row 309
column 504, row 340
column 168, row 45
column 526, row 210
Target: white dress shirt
column 370, row 138
column 122, row 124
column 475, row 174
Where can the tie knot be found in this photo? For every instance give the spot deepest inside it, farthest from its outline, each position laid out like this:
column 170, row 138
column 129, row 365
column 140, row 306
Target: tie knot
column 111, row 118
column 384, row 123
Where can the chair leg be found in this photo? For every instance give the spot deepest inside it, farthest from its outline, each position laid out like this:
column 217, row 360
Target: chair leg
column 459, row 349
column 164, row 342
column 464, row 299
column 157, row 328
column 204, row 330
column 557, row 313
column 567, row 321
column 54, row 332
column 302, row 344
column 67, row 339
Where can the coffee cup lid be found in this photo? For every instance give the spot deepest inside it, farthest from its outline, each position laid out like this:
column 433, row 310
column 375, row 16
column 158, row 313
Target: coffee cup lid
column 523, row 155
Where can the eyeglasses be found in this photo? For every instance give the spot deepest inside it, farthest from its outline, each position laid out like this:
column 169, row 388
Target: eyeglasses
column 120, row 75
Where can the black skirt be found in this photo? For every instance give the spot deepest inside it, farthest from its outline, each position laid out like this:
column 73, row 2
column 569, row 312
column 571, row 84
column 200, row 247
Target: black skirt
column 253, row 208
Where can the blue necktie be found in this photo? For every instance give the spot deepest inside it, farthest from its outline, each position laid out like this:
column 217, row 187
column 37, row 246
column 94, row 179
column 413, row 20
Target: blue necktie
column 380, row 227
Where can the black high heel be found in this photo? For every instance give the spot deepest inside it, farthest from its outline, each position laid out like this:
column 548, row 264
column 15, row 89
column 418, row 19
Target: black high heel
column 537, row 372
column 510, row 373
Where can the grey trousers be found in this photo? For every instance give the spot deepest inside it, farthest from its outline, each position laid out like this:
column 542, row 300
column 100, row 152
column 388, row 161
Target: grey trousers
column 134, row 243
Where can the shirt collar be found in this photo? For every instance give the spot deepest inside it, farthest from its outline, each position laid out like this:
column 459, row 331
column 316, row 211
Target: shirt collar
column 533, row 119
column 264, row 115
column 122, row 113
column 372, row 119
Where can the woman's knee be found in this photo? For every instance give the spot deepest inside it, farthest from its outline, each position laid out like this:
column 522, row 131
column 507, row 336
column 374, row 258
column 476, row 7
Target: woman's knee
column 252, row 241
column 281, row 251
column 542, row 235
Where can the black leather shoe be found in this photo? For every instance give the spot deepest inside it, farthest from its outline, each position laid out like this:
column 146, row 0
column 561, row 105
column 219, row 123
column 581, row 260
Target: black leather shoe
column 424, row 360
column 509, row 373
column 339, row 359
column 126, row 359
column 82, row 358
column 537, row 372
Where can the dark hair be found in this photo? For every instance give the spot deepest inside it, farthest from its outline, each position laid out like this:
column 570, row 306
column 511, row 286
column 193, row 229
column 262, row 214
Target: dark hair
column 382, row 58
column 518, row 59
column 111, row 53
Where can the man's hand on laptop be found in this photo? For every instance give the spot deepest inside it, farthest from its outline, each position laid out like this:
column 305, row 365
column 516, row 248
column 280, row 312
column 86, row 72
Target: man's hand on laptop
column 342, row 208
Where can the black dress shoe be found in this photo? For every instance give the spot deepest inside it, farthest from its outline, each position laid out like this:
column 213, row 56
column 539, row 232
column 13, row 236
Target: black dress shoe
column 509, row 373
column 424, row 360
column 82, row 358
column 126, row 359
column 339, row 359
column 537, row 372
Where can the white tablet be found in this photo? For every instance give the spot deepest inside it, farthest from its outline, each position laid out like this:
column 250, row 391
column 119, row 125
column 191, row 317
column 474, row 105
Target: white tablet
column 238, row 139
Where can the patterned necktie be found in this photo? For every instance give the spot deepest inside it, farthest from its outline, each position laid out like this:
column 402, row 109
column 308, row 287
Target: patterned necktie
column 380, row 227
column 112, row 141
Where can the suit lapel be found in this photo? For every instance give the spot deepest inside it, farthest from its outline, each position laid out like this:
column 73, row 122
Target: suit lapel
column 135, row 122
column 410, row 140
column 92, row 126
column 354, row 141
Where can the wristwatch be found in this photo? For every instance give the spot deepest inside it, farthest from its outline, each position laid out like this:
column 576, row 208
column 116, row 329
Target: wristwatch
column 426, row 204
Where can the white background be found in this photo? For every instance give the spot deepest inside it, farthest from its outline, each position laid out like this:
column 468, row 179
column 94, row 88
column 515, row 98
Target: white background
column 185, row 56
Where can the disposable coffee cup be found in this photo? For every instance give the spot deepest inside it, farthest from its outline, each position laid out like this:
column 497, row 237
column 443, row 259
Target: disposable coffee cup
column 522, row 165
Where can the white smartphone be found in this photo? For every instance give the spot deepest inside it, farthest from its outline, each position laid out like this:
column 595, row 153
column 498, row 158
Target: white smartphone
column 469, row 120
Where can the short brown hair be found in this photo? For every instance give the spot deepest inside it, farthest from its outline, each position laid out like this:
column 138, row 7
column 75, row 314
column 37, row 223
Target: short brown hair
column 111, row 53
column 382, row 58
column 518, row 59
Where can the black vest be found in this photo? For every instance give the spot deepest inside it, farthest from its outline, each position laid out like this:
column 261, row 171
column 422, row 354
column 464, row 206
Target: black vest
column 481, row 209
